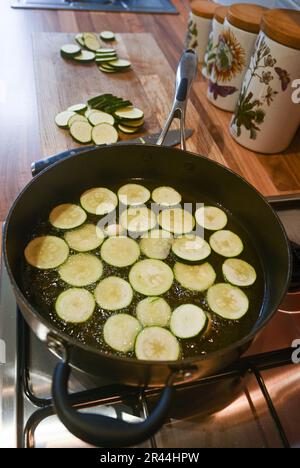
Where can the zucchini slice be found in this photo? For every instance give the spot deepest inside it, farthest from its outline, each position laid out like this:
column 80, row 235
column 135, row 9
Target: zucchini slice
column 63, row 118
column 195, row 277
column 91, row 41
column 166, row 196
column 75, row 305
column 105, row 69
column 67, row 216
column 132, row 123
column 187, row 321
column 99, row 200
column 133, row 194
column 120, row 332
column 228, row 301
column 156, row 244
column 127, row 130
column 226, row 243
column 85, row 238
column 107, row 36
column 85, row 56
column 153, row 311
column 113, row 293
column 97, row 117
column 138, row 219
column 102, row 59
column 113, row 230
column 79, row 39
column 157, row 344
column 105, row 50
column 46, row 252
column 238, row 272
column 151, row 277
column 120, row 251
column 70, row 50
column 104, row 134
column 120, row 64
column 81, row 131
column 129, row 113
column 81, row 269
column 79, row 108
column 191, row 248
column 76, row 118
column 176, row 220
column 211, row 217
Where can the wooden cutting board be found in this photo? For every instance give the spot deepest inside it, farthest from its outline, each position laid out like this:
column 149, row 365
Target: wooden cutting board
column 150, row 86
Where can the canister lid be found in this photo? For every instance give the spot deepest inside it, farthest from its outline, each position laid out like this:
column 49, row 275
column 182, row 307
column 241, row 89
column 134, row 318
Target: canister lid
column 204, row 8
column 282, row 26
column 246, row 17
column 220, row 13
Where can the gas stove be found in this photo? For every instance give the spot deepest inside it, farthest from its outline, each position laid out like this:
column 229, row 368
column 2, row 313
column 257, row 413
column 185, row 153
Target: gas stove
column 253, row 404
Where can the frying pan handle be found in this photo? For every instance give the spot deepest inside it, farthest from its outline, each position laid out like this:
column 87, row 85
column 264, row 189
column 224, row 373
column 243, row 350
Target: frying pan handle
column 100, row 430
column 186, row 72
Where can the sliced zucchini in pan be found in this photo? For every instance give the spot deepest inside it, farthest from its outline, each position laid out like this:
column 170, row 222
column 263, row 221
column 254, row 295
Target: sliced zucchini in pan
column 120, row 251
column 176, row 220
column 187, row 321
column 76, row 118
column 75, row 305
column 120, row 332
column 63, row 118
column 46, row 252
column 67, row 216
column 191, row 248
column 238, row 272
column 228, row 301
column 107, row 36
column 129, row 113
column 195, row 277
column 97, row 117
column 153, row 311
column 113, row 230
column 70, row 50
column 104, row 134
column 157, row 344
column 81, row 131
column 85, row 56
column 226, row 243
column 99, row 200
column 211, row 217
column 85, row 238
column 138, row 219
column 78, row 108
column 151, row 277
column 156, row 244
column 166, row 196
column 113, row 293
column 81, row 269
column 133, row 194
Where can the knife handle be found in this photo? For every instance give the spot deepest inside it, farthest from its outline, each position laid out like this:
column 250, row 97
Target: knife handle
column 186, row 72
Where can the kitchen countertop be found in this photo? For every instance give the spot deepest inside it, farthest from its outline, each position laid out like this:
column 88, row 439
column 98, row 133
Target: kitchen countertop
column 20, row 142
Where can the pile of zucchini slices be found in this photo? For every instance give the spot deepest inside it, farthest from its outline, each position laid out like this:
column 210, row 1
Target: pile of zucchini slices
column 100, row 119
column 89, row 49
column 151, row 252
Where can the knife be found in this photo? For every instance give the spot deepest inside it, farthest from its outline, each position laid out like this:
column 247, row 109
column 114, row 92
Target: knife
column 172, row 139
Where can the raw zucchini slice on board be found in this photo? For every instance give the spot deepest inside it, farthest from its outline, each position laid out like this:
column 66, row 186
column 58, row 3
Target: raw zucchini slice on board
column 129, row 113
column 127, row 130
column 104, row 134
column 106, row 50
column 76, row 118
column 91, row 41
column 67, row 216
column 138, row 219
column 63, row 118
column 151, row 277
column 228, row 301
column 195, row 277
column 100, row 59
column 113, row 230
column 99, row 201
column 133, row 194
column 85, row 238
column 85, row 56
column 70, row 50
column 156, row 244
column 166, row 196
column 132, row 123
column 106, row 69
column 81, row 269
column 120, row 251
column 46, row 252
column 107, row 36
column 120, row 332
column 157, row 344
column 238, row 272
column 191, row 248
column 176, row 220
column 79, row 39
column 81, row 131
column 120, row 64
column 78, row 108
column 113, row 293
column 226, row 243
column 187, row 321
column 211, row 217
column 75, row 305
column 153, row 311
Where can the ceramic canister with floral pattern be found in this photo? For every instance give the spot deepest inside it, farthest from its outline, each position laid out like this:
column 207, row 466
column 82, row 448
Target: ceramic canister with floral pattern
column 199, row 26
column 233, row 53
column 268, row 112
column 217, row 28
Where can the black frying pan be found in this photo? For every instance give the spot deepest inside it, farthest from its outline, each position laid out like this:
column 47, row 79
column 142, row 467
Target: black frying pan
column 95, row 167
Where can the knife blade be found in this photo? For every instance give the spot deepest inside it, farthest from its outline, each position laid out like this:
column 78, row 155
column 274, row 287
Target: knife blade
column 172, row 139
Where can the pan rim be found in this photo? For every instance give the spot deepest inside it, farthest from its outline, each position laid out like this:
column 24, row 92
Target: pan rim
column 180, row 364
